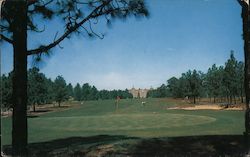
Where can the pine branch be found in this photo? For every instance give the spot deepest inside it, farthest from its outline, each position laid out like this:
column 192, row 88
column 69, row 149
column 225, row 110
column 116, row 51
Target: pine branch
column 31, row 2
column 72, row 29
column 6, row 39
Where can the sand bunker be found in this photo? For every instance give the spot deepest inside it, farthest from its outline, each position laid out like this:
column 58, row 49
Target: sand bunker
column 205, row 107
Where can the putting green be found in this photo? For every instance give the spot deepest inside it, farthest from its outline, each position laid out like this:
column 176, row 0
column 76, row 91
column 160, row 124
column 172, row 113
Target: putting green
column 121, row 122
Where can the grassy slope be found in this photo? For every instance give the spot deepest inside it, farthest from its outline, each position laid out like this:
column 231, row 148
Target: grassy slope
column 131, row 119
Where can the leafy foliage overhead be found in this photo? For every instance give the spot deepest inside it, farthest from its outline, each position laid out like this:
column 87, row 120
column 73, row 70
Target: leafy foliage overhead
column 78, row 16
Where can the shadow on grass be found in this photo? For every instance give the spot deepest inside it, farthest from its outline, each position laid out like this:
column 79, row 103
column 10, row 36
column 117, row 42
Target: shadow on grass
column 72, row 146
column 63, row 106
column 107, row 145
column 41, row 111
column 31, row 116
column 210, row 145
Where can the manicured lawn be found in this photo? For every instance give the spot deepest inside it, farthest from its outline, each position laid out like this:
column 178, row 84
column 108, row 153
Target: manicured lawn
column 132, row 119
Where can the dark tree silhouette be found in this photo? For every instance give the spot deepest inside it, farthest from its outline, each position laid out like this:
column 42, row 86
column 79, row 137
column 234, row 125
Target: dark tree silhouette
column 246, row 35
column 18, row 17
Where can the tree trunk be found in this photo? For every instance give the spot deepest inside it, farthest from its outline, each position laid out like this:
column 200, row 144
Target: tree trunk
column 246, row 35
column 247, row 66
column 194, row 100
column 245, row 18
column 34, row 107
column 241, row 95
column 228, row 99
column 19, row 119
column 231, row 99
column 59, row 103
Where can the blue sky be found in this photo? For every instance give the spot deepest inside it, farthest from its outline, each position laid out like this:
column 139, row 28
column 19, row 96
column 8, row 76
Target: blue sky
column 179, row 35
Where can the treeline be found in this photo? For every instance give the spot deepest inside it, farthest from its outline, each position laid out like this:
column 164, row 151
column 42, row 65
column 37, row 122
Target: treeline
column 43, row 90
column 87, row 92
column 219, row 84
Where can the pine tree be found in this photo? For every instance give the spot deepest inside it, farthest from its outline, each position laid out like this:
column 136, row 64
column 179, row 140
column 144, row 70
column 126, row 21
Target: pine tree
column 78, row 92
column 70, row 90
column 60, row 90
column 240, row 80
column 192, row 84
column 37, row 90
column 230, row 77
column 20, row 17
column 6, row 91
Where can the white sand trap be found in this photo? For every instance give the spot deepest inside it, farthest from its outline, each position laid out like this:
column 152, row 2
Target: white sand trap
column 204, row 107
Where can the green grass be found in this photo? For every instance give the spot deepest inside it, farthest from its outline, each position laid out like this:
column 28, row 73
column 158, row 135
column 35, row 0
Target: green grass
column 131, row 119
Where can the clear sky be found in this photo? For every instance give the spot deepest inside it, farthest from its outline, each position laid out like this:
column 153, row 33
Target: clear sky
column 179, row 35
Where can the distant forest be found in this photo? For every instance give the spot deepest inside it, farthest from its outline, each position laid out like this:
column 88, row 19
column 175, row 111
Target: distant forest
column 219, row 84
column 43, row 90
